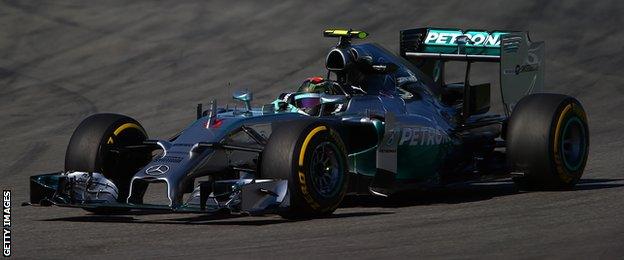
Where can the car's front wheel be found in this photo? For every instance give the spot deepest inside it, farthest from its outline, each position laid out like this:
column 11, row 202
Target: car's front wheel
column 97, row 146
column 312, row 157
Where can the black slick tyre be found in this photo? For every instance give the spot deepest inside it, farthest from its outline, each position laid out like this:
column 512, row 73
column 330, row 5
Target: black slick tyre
column 548, row 140
column 312, row 157
column 95, row 147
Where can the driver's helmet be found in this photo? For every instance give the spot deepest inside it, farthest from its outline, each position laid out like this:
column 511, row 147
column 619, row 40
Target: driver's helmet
column 309, row 93
column 319, row 85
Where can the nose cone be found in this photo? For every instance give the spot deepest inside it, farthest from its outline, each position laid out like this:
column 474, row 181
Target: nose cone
column 171, row 167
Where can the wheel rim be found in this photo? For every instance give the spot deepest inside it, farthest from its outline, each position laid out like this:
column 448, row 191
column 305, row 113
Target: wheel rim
column 326, row 169
column 573, row 143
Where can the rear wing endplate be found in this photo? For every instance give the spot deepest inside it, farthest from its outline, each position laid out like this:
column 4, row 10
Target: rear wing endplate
column 521, row 60
column 522, row 68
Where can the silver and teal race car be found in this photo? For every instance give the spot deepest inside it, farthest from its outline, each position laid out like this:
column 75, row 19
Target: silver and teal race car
column 377, row 123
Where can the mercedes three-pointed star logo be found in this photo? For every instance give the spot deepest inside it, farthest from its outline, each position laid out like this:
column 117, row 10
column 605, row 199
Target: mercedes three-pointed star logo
column 155, row 170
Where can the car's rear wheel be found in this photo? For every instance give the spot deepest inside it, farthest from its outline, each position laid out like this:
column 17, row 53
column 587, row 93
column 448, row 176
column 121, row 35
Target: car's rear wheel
column 97, row 146
column 548, row 140
column 312, row 157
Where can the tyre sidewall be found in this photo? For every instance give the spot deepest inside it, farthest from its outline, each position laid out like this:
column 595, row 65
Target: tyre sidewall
column 120, row 167
column 534, row 141
column 90, row 145
column 304, row 193
column 569, row 109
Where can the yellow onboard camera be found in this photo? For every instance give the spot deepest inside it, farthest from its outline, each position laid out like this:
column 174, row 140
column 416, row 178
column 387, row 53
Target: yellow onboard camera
column 345, row 32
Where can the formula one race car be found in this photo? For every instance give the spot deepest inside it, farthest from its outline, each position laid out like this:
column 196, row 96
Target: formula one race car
column 378, row 123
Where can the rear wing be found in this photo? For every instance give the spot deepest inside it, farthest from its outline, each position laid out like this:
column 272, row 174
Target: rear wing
column 521, row 60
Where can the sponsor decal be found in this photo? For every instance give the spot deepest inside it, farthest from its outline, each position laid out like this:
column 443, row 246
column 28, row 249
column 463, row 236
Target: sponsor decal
column 391, row 136
column 156, row 170
column 170, row 159
column 389, row 143
column 522, row 69
column 6, row 223
column 476, row 38
column 423, row 136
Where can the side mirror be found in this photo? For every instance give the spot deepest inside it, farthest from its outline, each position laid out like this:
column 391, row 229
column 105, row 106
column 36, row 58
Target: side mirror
column 332, row 99
column 244, row 96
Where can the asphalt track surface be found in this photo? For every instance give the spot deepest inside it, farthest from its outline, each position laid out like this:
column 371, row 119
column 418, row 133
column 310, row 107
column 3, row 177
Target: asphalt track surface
column 61, row 61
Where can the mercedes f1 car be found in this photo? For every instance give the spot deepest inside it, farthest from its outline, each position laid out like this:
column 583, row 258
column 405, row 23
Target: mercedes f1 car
column 377, row 123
